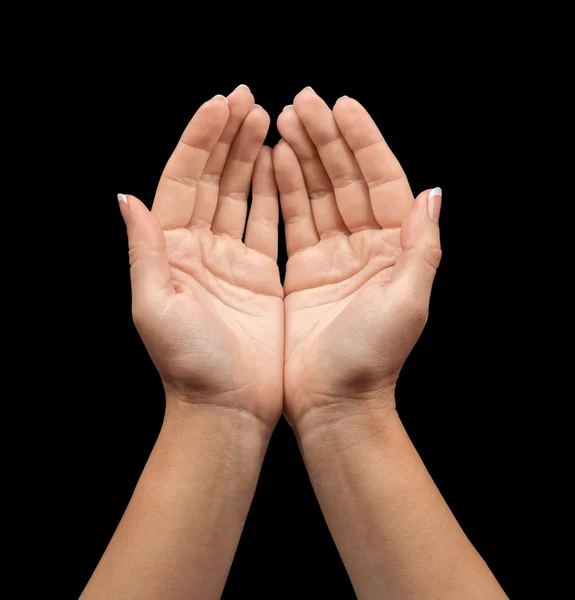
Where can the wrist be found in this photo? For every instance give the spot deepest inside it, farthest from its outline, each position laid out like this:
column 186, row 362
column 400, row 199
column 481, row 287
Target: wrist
column 242, row 412
column 348, row 421
column 221, row 426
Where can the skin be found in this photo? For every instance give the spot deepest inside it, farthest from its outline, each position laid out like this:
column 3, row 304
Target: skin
column 209, row 309
column 357, row 285
column 234, row 348
column 362, row 258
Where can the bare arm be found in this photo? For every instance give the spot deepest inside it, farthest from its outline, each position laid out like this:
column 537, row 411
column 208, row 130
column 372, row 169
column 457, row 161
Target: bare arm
column 363, row 253
column 180, row 531
column 396, row 534
column 208, row 306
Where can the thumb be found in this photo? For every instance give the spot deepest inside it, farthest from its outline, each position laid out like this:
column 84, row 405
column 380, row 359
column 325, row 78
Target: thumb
column 149, row 267
column 421, row 248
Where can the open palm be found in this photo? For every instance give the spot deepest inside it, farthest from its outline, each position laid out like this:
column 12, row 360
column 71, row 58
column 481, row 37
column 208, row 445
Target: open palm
column 207, row 305
column 356, row 300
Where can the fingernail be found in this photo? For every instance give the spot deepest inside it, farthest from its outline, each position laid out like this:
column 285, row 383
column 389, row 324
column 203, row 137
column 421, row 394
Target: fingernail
column 341, row 98
column 243, row 85
column 434, row 204
column 309, row 88
column 287, row 106
column 220, row 96
column 124, row 208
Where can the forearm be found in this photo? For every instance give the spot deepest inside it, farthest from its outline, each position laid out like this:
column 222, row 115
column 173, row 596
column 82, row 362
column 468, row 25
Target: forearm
column 395, row 533
column 180, row 531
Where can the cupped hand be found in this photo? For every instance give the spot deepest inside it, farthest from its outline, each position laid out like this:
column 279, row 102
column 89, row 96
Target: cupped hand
column 207, row 305
column 362, row 258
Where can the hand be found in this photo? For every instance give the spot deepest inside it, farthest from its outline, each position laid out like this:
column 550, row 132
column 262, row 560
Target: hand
column 207, row 305
column 362, row 258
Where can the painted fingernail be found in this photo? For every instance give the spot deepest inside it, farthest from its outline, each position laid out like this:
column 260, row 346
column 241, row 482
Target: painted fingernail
column 124, row 208
column 220, row 96
column 434, row 204
column 243, row 85
column 287, row 107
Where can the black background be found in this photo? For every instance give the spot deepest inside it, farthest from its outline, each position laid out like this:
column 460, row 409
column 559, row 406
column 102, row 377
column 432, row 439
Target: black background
column 461, row 392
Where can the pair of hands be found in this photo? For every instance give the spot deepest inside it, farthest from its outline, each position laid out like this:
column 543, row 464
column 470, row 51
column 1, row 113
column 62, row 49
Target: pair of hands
column 362, row 254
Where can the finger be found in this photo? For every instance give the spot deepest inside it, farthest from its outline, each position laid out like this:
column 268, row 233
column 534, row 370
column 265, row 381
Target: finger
column 391, row 196
column 300, row 228
column 326, row 214
column 421, row 248
column 262, row 225
column 230, row 216
column 176, row 192
column 351, row 191
column 240, row 103
column 149, row 267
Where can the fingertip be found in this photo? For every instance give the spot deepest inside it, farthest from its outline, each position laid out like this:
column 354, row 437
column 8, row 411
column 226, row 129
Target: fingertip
column 264, row 161
column 347, row 110
column 277, row 150
column 260, row 112
column 241, row 99
column 124, row 208
column 143, row 227
column 282, row 150
column 293, row 130
column 257, row 123
column 307, row 92
column 128, row 200
column 291, row 127
column 421, row 223
column 242, row 90
column 217, row 104
column 134, row 203
column 135, row 207
column 422, row 197
column 265, row 153
column 417, row 213
column 220, row 98
column 288, row 116
column 345, row 103
column 430, row 201
column 342, row 98
column 434, row 204
column 282, row 119
column 307, row 100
